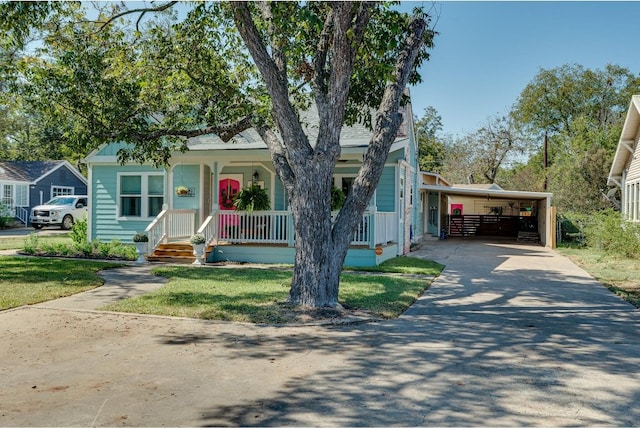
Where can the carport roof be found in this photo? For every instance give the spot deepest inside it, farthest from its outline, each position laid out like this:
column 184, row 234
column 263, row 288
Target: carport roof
column 488, row 193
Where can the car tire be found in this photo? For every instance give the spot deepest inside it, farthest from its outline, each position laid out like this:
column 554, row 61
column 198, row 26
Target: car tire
column 37, row 226
column 67, row 222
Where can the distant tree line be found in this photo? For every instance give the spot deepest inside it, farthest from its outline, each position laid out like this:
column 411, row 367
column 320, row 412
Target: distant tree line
column 578, row 111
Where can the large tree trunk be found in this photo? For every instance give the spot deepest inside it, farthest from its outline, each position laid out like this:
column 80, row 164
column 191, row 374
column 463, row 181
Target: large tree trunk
column 312, row 220
column 306, row 171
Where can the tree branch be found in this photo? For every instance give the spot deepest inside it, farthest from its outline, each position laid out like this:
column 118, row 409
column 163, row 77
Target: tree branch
column 225, row 132
column 320, row 60
column 386, row 126
column 277, row 85
column 142, row 10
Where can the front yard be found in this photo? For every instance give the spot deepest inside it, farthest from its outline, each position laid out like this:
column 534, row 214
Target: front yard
column 30, row 280
column 233, row 293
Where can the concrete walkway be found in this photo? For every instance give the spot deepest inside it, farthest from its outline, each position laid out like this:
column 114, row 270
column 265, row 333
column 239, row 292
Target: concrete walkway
column 123, row 283
column 507, row 335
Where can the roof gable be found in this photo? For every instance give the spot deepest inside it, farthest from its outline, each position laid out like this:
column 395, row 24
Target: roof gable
column 28, row 171
column 32, row 171
column 626, row 144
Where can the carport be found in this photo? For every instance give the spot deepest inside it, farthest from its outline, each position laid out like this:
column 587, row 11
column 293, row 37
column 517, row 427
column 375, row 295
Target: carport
column 491, row 212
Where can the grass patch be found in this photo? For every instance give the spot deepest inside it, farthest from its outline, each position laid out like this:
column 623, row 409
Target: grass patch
column 17, row 242
column 28, row 280
column 405, row 265
column 619, row 274
column 258, row 295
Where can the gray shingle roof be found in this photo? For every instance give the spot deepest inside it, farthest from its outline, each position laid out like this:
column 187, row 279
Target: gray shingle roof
column 26, row 170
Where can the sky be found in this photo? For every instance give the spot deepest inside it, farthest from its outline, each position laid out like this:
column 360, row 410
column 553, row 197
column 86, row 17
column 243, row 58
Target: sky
column 487, row 52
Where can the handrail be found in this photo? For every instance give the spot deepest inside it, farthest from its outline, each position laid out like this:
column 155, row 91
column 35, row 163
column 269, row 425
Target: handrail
column 22, row 214
column 170, row 224
column 209, row 228
column 156, row 231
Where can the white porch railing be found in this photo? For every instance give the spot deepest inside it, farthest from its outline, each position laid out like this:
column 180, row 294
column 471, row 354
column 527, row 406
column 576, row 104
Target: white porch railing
column 268, row 227
column 260, row 227
column 386, row 228
column 170, row 224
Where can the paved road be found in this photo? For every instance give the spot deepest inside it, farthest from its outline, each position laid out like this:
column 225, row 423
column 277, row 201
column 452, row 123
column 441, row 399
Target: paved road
column 507, row 335
column 18, row 232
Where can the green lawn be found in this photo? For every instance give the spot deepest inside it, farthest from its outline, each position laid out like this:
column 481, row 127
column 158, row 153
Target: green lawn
column 257, row 295
column 17, row 243
column 621, row 275
column 232, row 294
column 27, row 280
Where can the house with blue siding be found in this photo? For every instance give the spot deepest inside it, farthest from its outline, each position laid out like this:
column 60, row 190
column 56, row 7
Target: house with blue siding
column 195, row 193
column 25, row 184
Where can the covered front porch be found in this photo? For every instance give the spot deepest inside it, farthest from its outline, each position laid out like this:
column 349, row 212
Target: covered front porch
column 268, row 236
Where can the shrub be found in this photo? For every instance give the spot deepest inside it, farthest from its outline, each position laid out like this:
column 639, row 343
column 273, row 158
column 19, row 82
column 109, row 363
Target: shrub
column 5, row 215
column 140, row 237
column 607, row 230
column 79, row 231
column 252, row 198
column 84, row 248
column 94, row 249
column 31, row 244
column 197, row 239
column 337, row 198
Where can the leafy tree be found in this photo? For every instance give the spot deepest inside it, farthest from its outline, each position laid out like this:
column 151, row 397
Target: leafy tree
column 479, row 156
column 230, row 66
column 582, row 112
column 430, row 148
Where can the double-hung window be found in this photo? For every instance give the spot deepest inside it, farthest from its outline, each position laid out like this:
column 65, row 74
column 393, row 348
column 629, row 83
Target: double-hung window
column 61, row 191
column 140, row 195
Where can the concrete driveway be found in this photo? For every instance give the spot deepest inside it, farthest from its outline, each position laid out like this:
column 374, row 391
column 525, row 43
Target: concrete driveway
column 508, row 335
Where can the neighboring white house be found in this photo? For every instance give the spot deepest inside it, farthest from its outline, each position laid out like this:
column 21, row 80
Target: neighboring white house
column 625, row 169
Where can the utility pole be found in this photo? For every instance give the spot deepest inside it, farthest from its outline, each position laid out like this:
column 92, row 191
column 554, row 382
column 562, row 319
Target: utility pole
column 545, row 160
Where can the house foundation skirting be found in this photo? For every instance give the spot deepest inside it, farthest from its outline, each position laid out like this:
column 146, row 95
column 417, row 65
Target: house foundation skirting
column 274, row 254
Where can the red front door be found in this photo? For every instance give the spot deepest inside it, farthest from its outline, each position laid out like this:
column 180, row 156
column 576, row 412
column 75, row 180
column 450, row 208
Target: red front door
column 228, row 189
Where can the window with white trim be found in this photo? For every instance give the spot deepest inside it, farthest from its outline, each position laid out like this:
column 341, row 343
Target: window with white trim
column 61, row 191
column 140, row 195
column 7, row 195
column 632, row 200
column 22, row 195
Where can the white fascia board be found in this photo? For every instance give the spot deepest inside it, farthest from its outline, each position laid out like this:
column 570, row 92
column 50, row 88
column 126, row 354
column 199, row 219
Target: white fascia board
column 502, row 194
column 94, row 152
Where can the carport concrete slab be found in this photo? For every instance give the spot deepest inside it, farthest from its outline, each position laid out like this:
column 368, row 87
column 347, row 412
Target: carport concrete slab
column 508, row 335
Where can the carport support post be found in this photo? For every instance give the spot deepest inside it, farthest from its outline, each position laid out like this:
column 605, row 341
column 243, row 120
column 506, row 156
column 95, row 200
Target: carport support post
column 553, row 226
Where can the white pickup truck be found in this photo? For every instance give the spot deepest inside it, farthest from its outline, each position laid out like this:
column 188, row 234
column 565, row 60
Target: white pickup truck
column 61, row 211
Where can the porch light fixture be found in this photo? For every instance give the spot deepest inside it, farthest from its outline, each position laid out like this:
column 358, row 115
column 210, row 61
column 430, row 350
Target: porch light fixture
column 255, row 175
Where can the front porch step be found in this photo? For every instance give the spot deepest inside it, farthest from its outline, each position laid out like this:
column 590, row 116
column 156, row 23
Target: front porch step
column 175, row 252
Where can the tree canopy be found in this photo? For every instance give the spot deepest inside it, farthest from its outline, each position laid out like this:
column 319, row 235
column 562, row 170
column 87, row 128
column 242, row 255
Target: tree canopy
column 225, row 67
column 579, row 110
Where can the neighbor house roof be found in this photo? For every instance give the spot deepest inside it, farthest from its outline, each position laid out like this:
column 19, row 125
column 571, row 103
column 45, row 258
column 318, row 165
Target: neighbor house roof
column 625, row 148
column 32, row 171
